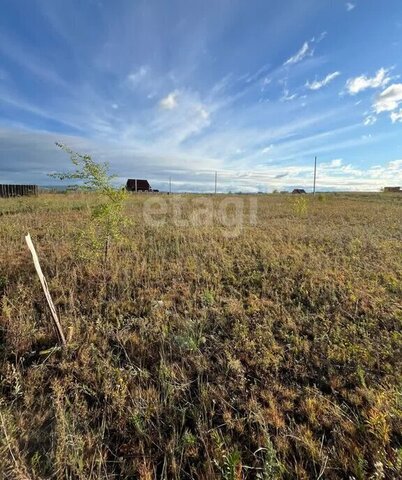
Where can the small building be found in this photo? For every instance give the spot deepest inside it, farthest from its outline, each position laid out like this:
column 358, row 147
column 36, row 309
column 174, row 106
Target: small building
column 136, row 185
column 298, row 191
column 7, row 190
column 392, row 189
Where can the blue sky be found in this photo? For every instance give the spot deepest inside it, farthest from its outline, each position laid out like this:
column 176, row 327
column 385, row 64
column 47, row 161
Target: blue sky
column 252, row 89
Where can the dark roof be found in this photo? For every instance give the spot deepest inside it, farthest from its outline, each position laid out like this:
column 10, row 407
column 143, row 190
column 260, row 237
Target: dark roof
column 299, row 190
column 142, row 185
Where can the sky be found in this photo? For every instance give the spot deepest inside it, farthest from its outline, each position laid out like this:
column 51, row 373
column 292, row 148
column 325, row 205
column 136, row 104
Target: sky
column 253, row 90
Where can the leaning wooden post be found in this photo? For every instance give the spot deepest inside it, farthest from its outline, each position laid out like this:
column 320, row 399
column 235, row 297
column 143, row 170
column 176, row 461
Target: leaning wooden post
column 46, row 290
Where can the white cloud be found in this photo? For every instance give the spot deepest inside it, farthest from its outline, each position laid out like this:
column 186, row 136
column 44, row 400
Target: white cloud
column 265, row 82
column 336, row 163
column 204, row 114
column 361, row 83
column 267, row 149
column 317, row 84
column 183, row 116
column 287, row 97
column 350, row 6
column 396, row 165
column 135, row 77
column 370, row 120
column 389, row 99
column 305, row 51
column 396, row 116
column 170, row 101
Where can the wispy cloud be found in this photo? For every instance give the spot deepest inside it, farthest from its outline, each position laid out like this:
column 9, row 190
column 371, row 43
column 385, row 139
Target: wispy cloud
column 30, row 60
column 389, row 99
column 170, row 101
column 287, row 96
column 361, row 83
column 135, row 77
column 370, row 120
column 318, row 84
column 396, row 116
column 350, row 6
column 305, row 50
column 336, row 163
column 267, row 149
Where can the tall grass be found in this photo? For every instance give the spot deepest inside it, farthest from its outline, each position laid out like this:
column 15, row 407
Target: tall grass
column 275, row 353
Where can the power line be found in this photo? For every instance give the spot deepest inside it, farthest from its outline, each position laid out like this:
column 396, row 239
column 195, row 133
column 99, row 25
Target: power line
column 315, row 174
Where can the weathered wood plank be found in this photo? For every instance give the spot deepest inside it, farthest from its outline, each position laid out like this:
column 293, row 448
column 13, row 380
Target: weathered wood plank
column 43, row 282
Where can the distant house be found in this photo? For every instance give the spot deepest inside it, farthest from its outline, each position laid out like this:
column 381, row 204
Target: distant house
column 136, row 185
column 392, row 189
column 298, row 191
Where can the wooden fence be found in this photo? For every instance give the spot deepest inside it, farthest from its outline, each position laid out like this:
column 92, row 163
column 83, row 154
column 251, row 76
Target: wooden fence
column 17, row 190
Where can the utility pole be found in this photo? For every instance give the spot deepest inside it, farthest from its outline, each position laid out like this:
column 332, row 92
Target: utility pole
column 315, row 174
column 170, row 185
column 135, row 185
column 216, row 182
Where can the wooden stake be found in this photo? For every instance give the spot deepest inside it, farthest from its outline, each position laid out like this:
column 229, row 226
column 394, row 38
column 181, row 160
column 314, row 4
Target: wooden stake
column 45, row 289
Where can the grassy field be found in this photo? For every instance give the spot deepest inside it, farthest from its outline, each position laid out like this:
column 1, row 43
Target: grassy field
column 203, row 351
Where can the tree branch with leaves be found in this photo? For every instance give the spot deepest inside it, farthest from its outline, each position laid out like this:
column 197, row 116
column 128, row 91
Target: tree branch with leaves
column 107, row 216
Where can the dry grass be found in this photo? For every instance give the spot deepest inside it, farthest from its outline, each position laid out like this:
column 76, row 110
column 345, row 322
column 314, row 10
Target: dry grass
column 273, row 354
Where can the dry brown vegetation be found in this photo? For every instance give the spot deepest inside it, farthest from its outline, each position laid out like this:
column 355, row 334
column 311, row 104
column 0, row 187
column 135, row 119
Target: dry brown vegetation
column 272, row 354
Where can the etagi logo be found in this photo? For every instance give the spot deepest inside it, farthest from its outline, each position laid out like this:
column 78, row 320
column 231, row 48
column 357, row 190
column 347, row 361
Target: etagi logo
column 230, row 213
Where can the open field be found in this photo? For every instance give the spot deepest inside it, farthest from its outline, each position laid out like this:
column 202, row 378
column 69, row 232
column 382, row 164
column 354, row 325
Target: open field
column 200, row 352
